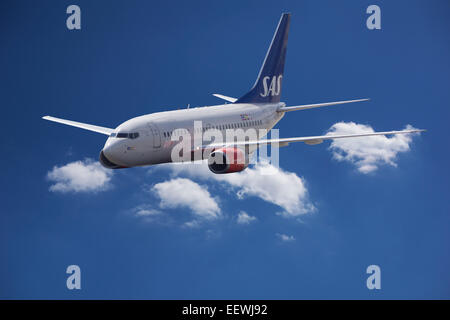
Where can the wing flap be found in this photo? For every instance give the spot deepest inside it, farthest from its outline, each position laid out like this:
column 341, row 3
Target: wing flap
column 313, row 141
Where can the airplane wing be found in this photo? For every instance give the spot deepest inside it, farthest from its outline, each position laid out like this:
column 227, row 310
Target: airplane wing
column 226, row 98
column 85, row 126
column 308, row 140
column 317, row 105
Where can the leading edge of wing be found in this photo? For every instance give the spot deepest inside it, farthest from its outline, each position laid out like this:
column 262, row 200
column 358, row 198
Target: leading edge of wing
column 85, row 126
column 310, row 140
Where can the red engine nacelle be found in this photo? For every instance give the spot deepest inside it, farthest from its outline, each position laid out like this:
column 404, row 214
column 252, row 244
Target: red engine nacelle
column 227, row 160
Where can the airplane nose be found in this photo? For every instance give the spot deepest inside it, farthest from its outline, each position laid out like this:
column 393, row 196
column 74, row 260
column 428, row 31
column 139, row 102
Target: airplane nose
column 105, row 158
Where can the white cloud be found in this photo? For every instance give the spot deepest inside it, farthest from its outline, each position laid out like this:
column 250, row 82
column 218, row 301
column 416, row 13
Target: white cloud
column 244, row 218
column 265, row 181
column 192, row 224
column 147, row 212
column 285, row 237
column 80, row 176
column 367, row 153
column 181, row 192
column 274, row 185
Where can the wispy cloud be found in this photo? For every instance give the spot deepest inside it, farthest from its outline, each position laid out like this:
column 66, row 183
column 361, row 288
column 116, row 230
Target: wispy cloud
column 367, row 153
column 80, row 176
column 244, row 218
column 191, row 224
column 147, row 212
column 182, row 192
column 265, row 181
column 285, row 238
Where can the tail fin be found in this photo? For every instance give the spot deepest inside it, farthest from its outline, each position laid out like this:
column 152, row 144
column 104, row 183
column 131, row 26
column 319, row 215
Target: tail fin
column 267, row 88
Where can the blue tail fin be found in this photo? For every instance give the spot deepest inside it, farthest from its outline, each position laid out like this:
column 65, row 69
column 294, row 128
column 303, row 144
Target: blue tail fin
column 267, row 88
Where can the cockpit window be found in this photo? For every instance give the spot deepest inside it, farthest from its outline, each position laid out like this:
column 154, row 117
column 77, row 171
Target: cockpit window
column 126, row 135
column 122, row 135
column 134, row 135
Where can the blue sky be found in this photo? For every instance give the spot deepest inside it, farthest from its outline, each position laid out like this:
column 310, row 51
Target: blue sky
column 141, row 57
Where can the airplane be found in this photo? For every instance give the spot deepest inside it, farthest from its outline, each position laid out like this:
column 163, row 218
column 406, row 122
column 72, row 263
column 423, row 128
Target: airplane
column 151, row 139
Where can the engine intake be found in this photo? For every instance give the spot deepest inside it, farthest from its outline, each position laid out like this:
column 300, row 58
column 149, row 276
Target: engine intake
column 227, row 160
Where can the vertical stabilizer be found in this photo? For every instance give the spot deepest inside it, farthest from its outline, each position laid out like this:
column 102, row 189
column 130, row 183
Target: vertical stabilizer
column 267, row 88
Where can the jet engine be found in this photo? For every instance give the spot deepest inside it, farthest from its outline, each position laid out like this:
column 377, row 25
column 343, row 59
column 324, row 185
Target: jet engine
column 227, row 160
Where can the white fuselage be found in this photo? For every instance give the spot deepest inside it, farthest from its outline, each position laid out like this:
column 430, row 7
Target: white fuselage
column 155, row 132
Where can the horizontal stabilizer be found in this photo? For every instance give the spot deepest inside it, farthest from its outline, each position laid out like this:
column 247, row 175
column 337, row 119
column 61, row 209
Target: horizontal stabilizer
column 226, row 98
column 317, row 105
column 84, row 126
